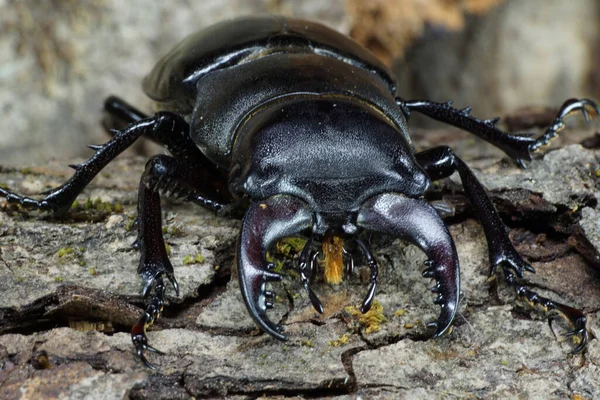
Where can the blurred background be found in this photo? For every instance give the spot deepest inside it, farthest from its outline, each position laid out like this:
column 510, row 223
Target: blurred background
column 59, row 59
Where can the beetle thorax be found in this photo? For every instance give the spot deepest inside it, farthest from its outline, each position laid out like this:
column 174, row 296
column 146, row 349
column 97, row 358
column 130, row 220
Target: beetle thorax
column 332, row 153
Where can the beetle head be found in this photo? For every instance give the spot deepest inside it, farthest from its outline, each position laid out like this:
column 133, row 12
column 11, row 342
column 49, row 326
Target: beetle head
column 332, row 152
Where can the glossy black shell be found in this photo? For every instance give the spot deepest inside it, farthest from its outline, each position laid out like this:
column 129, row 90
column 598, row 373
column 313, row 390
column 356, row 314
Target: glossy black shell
column 220, row 76
column 174, row 78
column 257, row 91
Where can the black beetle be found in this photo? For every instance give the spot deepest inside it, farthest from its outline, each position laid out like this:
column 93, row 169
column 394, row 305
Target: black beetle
column 305, row 124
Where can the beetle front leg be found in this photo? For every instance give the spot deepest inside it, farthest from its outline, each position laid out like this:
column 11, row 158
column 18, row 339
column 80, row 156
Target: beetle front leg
column 178, row 180
column 576, row 317
column 441, row 162
column 418, row 222
column 266, row 222
column 518, row 147
column 154, row 261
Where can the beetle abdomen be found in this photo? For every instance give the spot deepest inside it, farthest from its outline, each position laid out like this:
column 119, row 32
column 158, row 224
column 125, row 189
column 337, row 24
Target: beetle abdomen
column 173, row 80
column 231, row 95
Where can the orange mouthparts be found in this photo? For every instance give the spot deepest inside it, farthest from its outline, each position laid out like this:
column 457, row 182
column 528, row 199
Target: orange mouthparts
column 334, row 263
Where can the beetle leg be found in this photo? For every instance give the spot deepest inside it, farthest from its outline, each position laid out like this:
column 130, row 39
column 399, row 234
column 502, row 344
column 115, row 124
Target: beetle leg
column 60, row 199
column 206, row 177
column 118, row 114
column 518, row 147
column 123, row 111
column 178, row 180
column 569, row 107
column 441, row 162
column 575, row 317
column 152, row 312
column 169, row 128
column 306, row 259
column 266, row 222
column 416, row 221
column 154, row 261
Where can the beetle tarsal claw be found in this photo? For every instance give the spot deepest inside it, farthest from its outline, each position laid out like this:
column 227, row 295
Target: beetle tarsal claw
column 588, row 108
column 575, row 317
column 174, row 283
column 509, row 258
column 153, row 350
column 579, row 322
column 140, row 340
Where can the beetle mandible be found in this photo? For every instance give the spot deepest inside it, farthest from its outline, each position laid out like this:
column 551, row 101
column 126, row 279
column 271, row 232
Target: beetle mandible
column 306, row 124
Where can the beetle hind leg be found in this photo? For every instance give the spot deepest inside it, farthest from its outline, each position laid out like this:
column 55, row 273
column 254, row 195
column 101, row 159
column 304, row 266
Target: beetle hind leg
column 122, row 111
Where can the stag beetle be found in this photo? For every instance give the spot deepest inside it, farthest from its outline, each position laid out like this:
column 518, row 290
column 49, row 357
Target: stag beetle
column 306, row 125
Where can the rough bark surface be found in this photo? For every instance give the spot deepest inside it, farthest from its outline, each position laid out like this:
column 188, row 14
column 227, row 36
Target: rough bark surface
column 69, row 294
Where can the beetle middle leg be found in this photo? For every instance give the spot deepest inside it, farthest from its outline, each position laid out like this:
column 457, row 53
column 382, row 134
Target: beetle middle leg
column 519, row 148
column 60, row 199
column 441, row 162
